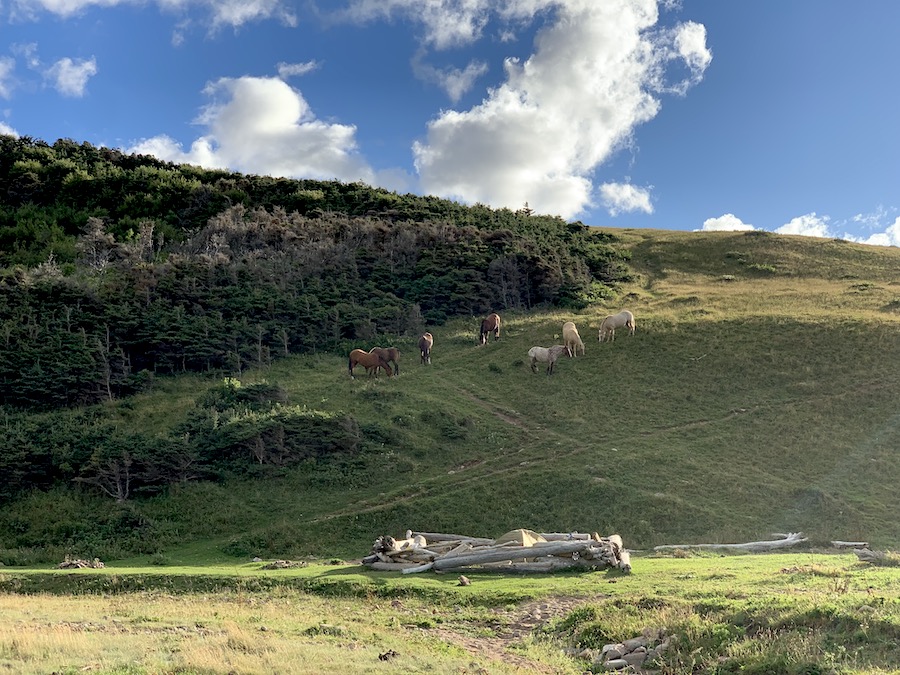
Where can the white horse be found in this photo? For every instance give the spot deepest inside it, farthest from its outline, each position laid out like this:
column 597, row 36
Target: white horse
column 608, row 327
column 548, row 355
column 572, row 339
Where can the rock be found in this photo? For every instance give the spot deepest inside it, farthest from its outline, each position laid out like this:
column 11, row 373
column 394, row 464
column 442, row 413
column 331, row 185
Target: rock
column 634, row 643
column 635, row 659
column 464, row 580
column 616, row 664
column 616, row 651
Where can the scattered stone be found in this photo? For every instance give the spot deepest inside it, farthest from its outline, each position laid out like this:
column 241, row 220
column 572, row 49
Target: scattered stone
column 616, row 664
column 284, row 564
column 464, row 580
column 388, row 655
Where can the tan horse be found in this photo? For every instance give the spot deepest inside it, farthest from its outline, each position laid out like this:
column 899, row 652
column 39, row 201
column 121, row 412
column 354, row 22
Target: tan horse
column 371, row 362
column 425, row 344
column 390, row 355
column 572, row 339
column 608, row 327
column 490, row 324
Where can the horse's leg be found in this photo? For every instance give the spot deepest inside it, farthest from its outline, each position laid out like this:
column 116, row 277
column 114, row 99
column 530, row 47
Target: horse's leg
column 533, row 365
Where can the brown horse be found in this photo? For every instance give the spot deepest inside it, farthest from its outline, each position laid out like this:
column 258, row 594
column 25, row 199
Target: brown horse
column 390, row 355
column 425, row 344
column 371, row 362
column 490, row 324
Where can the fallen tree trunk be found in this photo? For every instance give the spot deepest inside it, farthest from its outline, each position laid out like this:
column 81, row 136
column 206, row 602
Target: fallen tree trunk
column 541, row 550
column 791, row 539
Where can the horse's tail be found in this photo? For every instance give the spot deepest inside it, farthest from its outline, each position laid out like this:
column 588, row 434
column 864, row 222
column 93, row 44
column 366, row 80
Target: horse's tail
column 350, row 365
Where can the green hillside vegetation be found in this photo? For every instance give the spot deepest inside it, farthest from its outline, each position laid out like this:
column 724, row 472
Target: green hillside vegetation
column 748, row 402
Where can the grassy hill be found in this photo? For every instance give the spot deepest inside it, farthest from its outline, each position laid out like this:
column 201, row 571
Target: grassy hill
column 758, row 396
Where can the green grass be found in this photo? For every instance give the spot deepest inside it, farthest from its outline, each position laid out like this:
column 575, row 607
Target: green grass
column 775, row 613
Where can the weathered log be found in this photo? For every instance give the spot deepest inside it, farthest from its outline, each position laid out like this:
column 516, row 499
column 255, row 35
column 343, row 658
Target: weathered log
column 850, row 544
column 418, row 568
column 391, row 567
column 511, row 553
column 564, row 536
column 624, row 561
column 790, row 539
column 437, row 536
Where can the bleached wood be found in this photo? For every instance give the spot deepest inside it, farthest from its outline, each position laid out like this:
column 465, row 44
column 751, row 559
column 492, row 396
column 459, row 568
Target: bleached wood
column 790, row 539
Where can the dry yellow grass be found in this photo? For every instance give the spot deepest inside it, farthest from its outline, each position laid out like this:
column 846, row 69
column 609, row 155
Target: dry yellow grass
column 285, row 632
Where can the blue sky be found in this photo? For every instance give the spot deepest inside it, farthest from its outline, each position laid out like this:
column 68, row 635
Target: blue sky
column 694, row 114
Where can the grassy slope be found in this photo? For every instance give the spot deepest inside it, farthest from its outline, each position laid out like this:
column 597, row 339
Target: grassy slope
column 758, row 396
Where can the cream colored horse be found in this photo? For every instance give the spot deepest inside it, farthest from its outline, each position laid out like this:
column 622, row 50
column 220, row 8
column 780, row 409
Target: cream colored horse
column 548, row 355
column 608, row 327
column 572, row 339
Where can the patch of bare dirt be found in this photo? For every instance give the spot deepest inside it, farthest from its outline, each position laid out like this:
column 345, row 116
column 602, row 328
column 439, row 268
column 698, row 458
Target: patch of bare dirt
column 516, row 624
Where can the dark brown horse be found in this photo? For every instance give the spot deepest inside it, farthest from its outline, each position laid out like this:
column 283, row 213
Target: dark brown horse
column 371, row 362
column 425, row 344
column 490, row 324
column 390, row 355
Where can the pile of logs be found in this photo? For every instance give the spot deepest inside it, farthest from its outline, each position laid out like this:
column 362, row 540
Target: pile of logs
column 516, row 551
column 70, row 564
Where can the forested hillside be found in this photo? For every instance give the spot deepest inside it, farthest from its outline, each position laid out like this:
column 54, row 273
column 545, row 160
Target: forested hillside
column 114, row 268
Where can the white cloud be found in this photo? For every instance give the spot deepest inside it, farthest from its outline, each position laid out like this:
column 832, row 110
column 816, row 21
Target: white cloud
column 264, row 126
column 625, row 198
column 890, row 237
column 455, row 81
column 286, row 70
column 559, row 114
column 809, row 225
column 70, row 77
column 222, row 12
column 725, row 223
column 448, row 23
column 7, row 130
column 7, row 68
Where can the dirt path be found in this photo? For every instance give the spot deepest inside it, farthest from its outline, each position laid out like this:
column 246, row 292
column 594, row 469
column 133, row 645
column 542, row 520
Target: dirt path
column 516, row 624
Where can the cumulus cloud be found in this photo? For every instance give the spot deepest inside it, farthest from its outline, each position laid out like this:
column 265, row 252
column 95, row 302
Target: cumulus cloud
column 625, row 198
column 725, row 223
column 809, row 225
column 263, row 126
column 70, row 77
column 447, row 23
column 222, row 12
column 7, row 68
column 7, row 130
column 455, row 81
column 286, row 70
column 890, row 237
column 578, row 98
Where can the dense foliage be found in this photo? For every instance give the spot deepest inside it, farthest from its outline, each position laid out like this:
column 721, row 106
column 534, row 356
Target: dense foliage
column 115, row 267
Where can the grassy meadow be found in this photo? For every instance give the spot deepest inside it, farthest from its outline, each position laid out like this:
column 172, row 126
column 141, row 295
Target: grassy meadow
column 757, row 396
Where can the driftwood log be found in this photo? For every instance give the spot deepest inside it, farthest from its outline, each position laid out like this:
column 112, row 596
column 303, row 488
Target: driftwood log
column 516, row 551
column 790, row 539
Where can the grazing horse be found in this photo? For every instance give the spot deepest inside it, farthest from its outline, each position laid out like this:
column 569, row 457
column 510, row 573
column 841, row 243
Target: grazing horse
column 548, row 355
column 608, row 327
column 572, row 338
column 371, row 362
column 390, row 355
column 425, row 343
column 490, row 324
